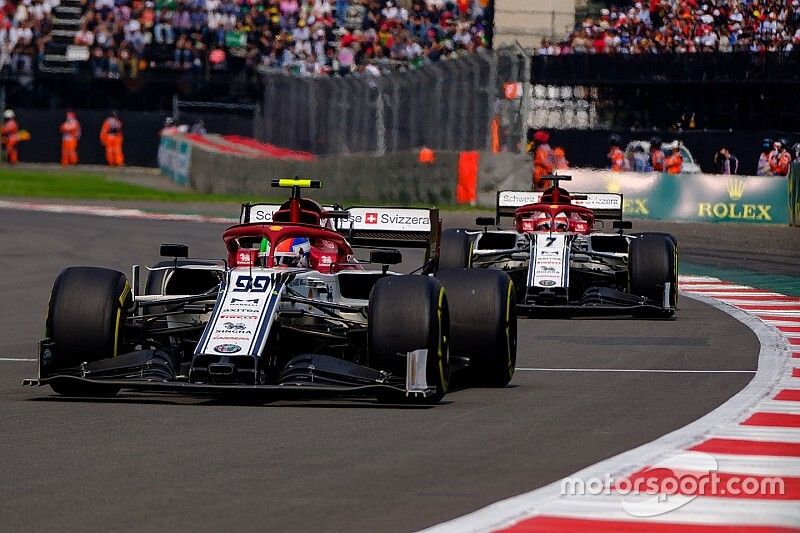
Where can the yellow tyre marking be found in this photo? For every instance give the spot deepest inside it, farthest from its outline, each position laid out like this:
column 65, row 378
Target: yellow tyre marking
column 122, row 297
column 509, row 303
column 442, row 379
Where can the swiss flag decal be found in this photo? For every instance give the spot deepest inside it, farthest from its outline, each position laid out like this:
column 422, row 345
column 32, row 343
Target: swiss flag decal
column 371, row 218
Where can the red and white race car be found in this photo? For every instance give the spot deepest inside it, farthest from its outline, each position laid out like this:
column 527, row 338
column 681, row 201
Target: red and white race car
column 559, row 259
column 291, row 310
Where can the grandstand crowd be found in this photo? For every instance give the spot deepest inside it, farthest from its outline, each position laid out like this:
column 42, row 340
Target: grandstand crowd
column 25, row 30
column 685, row 26
column 305, row 37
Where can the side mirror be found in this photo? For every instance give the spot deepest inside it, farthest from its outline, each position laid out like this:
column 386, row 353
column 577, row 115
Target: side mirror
column 623, row 224
column 385, row 257
column 484, row 221
column 175, row 250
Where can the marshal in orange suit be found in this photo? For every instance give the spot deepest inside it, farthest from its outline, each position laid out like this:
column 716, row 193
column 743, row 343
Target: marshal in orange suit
column 70, row 135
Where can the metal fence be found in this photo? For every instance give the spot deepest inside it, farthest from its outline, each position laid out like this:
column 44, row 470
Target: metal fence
column 445, row 105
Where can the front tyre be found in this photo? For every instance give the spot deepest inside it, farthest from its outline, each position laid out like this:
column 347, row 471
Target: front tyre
column 652, row 263
column 408, row 313
column 84, row 321
column 483, row 323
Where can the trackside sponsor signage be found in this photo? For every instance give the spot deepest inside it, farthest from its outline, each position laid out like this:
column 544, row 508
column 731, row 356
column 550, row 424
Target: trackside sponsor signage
column 794, row 195
column 734, row 199
column 389, row 219
column 693, row 197
column 175, row 158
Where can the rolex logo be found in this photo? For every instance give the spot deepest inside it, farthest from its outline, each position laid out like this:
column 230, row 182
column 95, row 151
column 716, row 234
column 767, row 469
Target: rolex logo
column 735, row 189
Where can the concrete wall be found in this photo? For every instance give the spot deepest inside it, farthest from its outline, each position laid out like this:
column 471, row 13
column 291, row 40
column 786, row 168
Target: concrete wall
column 395, row 178
column 527, row 21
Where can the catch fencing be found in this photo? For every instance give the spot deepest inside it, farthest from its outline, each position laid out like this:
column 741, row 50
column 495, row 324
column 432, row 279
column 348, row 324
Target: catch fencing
column 445, row 105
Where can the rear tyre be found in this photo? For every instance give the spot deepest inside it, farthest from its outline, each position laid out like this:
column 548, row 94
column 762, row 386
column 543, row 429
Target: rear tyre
column 408, row 313
column 669, row 236
column 84, row 320
column 483, row 323
column 455, row 249
column 652, row 263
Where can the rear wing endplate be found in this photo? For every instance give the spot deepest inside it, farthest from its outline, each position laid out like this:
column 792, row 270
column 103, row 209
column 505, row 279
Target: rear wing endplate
column 605, row 205
column 400, row 227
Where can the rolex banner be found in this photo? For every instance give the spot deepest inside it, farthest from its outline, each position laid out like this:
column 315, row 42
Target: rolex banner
column 794, row 195
column 692, row 197
column 175, row 158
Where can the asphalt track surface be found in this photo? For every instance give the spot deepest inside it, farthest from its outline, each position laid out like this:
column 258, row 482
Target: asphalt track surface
column 155, row 463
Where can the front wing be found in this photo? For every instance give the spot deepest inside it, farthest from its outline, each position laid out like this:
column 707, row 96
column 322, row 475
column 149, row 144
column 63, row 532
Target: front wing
column 304, row 375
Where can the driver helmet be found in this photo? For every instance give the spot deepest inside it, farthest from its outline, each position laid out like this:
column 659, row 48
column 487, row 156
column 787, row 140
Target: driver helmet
column 8, row 114
column 293, row 252
column 560, row 222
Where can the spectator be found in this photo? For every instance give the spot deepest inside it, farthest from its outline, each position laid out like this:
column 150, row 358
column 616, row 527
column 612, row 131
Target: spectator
column 764, row 168
column 84, row 37
column 560, row 159
column 686, row 26
column 542, row 160
column 725, row 162
column 641, row 162
column 674, row 162
column 657, row 156
column 198, row 127
column 782, row 161
column 615, row 155
column 299, row 36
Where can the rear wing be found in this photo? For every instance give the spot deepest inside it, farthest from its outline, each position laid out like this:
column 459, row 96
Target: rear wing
column 605, row 205
column 397, row 227
column 401, row 227
column 262, row 213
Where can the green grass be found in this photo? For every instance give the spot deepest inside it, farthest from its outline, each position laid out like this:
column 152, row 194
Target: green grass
column 77, row 185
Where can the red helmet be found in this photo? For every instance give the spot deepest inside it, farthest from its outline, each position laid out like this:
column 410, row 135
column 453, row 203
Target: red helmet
column 541, row 136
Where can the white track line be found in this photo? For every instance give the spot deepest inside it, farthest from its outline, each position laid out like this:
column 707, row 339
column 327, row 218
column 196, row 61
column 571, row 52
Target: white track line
column 18, row 359
column 113, row 212
column 653, row 370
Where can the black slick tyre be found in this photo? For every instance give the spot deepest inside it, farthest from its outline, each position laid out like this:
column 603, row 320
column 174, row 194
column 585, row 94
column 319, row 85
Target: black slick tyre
column 652, row 263
column 483, row 323
column 455, row 249
column 408, row 313
column 84, row 320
